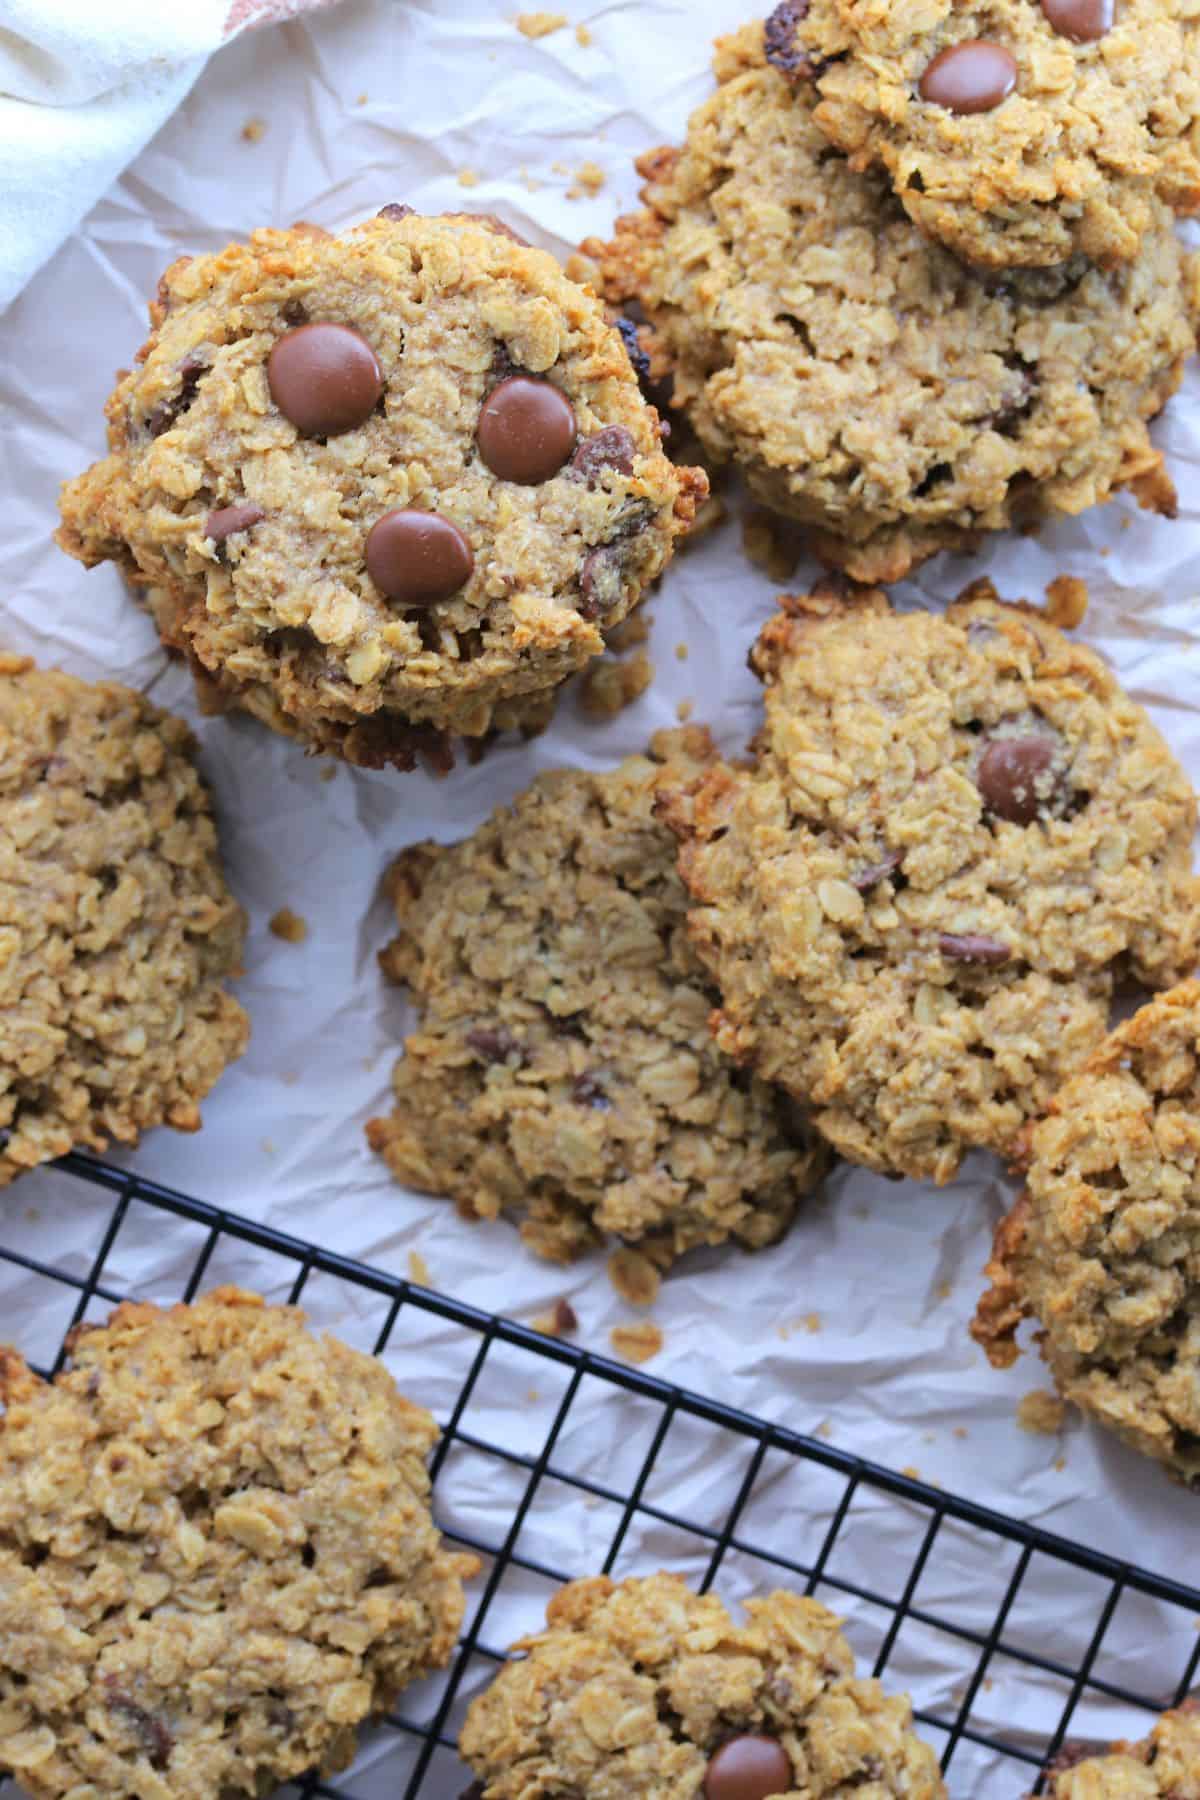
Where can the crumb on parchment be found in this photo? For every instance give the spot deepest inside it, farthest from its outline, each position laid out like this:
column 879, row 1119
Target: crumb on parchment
column 583, row 36
column 468, row 178
column 1066, row 601
column 561, row 1322
column 683, row 711
column 610, row 684
column 681, row 652
column 589, row 179
column 634, row 1276
column 1041, row 1412
column 253, row 130
column 289, row 926
column 418, row 1269
column 636, row 1343
column 540, row 24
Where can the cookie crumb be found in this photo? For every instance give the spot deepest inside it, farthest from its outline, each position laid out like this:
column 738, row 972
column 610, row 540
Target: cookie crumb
column 289, row 926
column 824, row 1430
column 268, row 1145
column 361, row 101
column 253, row 130
column 561, row 1322
column 812, row 1323
column 468, row 178
column 583, row 36
column 328, row 771
column 960, row 1431
column 944, row 1290
column 610, row 685
column 1060, row 1463
column 531, row 182
column 634, row 1276
column 1041, row 1412
column 559, row 168
column 418, row 1269
column 683, row 711
column 636, row 1343
column 540, row 24
column 911, row 1470
column 589, row 179
column 681, row 652
column 1066, row 601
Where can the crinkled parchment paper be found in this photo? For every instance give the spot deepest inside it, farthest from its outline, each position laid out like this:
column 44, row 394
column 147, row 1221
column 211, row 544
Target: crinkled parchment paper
column 855, row 1326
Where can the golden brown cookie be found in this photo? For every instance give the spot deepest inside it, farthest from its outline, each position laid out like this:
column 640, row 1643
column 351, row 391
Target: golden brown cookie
column 646, row 1690
column 1103, row 1248
column 384, row 487
column 1163, row 1766
column 216, row 1554
column 869, row 385
column 563, row 1068
column 959, row 833
column 117, row 931
column 1019, row 133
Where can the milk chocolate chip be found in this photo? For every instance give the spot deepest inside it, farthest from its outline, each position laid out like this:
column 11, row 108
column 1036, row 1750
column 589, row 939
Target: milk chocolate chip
column 526, row 430
column 612, row 448
column 972, row 77
column 418, row 558
column 748, row 1768
column 324, row 378
column 1083, row 21
column 973, row 947
column 1012, row 776
column 227, row 519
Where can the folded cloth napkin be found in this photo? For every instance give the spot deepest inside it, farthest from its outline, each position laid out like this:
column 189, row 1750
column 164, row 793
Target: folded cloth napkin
column 84, row 84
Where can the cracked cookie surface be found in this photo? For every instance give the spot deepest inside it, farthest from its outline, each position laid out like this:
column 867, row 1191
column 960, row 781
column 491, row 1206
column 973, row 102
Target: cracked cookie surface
column 869, row 384
column 117, row 931
column 216, row 1554
column 563, row 1067
column 959, row 833
column 1103, row 1248
column 1165, row 1765
column 647, row 1689
column 382, row 486
column 1081, row 113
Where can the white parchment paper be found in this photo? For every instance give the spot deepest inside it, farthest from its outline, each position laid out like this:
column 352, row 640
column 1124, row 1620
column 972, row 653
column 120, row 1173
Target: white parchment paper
column 855, row 1326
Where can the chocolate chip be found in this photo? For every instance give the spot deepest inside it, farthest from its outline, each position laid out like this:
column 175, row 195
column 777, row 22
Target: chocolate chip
column 476, row 1791
column 526, row 430
column 600, row 582
column 748, row 1768
column 417, row 558
column 1012, row 775
column 1083, row 21
column 155, row 1738
column 874, row 873
column 324, row 379
column 586, row 1090
column 612, row 448
column 394, row 209
column 167, row 411
column 971, row 77
column 494, row 1043
column 227, row 519
column 779, row 41
column 633, row 348
column 973, row 947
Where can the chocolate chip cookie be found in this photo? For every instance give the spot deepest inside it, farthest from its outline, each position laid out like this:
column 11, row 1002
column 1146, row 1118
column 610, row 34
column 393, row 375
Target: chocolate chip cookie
column 869, row 384
column 563, row 1068
column 958, row 834
column 117, row 931
column 1019, row 133
column 382, row 486
column 1163, row 1766
column 216, row 1554
column 646, row 1689
column 1103, row 1248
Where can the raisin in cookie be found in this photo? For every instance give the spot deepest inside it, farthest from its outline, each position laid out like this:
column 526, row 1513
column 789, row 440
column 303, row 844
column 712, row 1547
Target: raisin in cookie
column 646, row 1689
column 563, row 1067
column 117, row 931
column 870, row 385
column 399, row 480
column 1163, row 1766
column 1103, row 1248
column 958, row 833
column 216, row 1554
column 1018, row 133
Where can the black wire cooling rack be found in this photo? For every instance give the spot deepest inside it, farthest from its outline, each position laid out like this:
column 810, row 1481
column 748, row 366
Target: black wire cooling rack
column 555, row 1462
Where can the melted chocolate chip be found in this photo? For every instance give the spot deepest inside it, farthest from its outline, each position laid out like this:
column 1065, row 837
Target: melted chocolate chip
column 494, row 1043
column 324, row 379
column 417, row 558
column 748, row 1768
column 874, row 873
column 779, row 42
column 227, row 519
column 167, row 411
column 395, row 209
column 565, row 1317
column 612, row 448
column 973, row 947
column 971, row 77
column 586, row 1090
column 526, row 430
column 1012, row 775
column 1083, row 21
column 600, row 582
column 633, row 348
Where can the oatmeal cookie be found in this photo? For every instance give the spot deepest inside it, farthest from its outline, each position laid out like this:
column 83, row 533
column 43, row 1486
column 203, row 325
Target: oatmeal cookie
column 1163, row 1766
column 1103, row 1248
column 385, row 485
column 958, row 834
column 870, row 386
column 117, row 931
column 1019, row 133
column 216, row 1554
column 646, row 1689
column 563, row 1067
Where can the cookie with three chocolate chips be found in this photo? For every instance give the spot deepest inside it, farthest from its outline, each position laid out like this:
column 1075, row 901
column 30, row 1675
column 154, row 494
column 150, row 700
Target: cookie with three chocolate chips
column 958, row 836
column 870, row 385
column 384, row 487
column 1019, row 134
column 643, row 1688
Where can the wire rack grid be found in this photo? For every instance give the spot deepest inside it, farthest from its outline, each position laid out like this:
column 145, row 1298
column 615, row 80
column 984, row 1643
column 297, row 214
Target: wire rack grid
column 1011, row 1641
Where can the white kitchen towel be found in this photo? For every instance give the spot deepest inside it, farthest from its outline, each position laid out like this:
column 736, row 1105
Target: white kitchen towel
column 84, row 84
